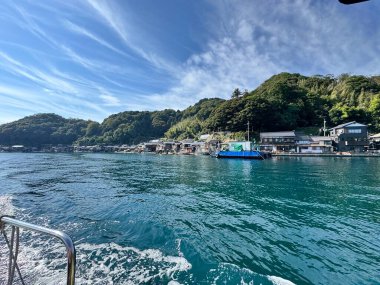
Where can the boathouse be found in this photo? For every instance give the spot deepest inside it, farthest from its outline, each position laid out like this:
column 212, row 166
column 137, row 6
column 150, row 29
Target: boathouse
column 374, row 142
column 187, row 146
column 151, row 146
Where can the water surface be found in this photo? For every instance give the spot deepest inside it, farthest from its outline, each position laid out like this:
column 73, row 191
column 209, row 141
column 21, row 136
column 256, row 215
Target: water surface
column 149, row 219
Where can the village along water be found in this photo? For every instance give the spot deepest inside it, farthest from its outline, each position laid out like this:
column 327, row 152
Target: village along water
column 150, row 219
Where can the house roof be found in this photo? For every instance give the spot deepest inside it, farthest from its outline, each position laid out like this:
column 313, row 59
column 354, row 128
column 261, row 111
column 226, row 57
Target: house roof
column 320, row 138
column 349, row 124
column 198, row 143
column 278, row 134
column 303, row 138
column 204, row 137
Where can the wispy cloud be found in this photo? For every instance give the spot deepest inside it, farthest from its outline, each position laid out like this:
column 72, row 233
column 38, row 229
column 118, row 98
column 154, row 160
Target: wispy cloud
column 107, row 98
column 44, row 100
column 256, row 40
column 35, row 75
column 84, row 32
column 29, row 23
column 115, row 18
column 98, row 56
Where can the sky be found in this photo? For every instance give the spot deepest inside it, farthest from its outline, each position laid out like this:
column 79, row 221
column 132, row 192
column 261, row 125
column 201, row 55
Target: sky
column 89, row 59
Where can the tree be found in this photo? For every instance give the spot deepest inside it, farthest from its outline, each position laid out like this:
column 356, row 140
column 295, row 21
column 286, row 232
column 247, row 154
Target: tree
column 374, row 110
column 93, row 129
column 236, row 93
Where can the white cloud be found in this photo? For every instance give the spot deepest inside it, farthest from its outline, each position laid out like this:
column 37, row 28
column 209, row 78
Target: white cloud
column 259, row 39
column 110, row 100
column 36, row 100
column 250, row 41
column 116, row 19
column 107, row 98
column 34, row 74
column 82, row 31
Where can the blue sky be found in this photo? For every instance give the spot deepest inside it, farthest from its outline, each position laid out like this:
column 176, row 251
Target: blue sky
column 88, row 59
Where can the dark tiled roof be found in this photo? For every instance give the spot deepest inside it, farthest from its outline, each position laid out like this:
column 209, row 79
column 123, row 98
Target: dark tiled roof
column 346, row 124
column 278, row 134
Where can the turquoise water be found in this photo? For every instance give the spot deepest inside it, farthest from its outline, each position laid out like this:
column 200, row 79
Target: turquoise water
column 147, row 219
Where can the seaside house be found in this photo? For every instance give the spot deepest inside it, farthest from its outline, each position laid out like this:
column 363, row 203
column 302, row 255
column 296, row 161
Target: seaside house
column 212, row 145
column 151, row 146
column 187, row 146
column 199, row 147
column 313, row 144
column 351, row 136
column 278, row 141
column 374, row 142
column 204, row 137
column 18, row 148
column 166, row 147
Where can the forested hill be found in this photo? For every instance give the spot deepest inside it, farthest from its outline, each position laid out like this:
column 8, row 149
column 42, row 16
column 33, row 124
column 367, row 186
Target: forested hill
column 283, row 102
column 42, row 129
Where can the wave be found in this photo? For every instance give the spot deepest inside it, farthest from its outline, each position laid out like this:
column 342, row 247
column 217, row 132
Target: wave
column 107, row 263
column 228, row 273
column 6, row 205
column 42, row 260
column 279, row 281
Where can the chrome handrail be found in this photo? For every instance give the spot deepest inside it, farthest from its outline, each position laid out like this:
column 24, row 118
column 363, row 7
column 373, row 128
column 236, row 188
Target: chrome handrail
column 70, row 249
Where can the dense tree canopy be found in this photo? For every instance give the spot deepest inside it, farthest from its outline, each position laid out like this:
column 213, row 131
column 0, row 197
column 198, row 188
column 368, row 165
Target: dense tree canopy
column 289, row 101
column 43, row 129
column 131, row 127
column 283, row 102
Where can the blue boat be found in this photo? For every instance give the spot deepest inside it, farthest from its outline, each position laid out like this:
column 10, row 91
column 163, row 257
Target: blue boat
column 246, row 154
column 241, row 150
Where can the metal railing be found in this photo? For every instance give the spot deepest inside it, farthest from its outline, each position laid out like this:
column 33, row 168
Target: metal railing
column 16, row 225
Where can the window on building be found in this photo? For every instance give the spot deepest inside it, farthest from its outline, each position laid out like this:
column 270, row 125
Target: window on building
column 354, row 131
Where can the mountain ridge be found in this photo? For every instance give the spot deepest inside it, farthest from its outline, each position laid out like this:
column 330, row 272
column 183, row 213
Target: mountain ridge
column 283, row 102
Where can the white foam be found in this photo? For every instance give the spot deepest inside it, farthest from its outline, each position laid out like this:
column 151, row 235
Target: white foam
column 227, row 273
column 280, row 281
column 6, row 206
column 172, row 282
column 130, row 264
column 43, row 262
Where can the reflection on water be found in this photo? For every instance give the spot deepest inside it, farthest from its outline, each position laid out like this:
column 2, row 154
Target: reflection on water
column 145, row 219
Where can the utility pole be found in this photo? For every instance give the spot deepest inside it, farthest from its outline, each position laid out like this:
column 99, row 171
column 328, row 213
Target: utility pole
column 248, row 131
column 324, row 127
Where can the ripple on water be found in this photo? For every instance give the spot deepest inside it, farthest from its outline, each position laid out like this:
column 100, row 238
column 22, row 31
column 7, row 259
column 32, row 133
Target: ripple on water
column 311, row 221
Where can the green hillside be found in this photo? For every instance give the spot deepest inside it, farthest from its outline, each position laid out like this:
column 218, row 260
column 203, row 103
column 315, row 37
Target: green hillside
column 283, row 102
column 42, row 129
column 132, row 127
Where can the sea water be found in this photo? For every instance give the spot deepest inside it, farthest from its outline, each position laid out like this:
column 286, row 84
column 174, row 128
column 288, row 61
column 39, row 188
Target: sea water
column 156, row 219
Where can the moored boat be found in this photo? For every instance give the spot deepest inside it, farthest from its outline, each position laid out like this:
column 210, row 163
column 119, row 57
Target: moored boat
column 246, row 154
column 243, row 150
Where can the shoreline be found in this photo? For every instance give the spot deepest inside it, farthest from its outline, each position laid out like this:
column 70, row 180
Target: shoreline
column 349, row 155
column 325, row 155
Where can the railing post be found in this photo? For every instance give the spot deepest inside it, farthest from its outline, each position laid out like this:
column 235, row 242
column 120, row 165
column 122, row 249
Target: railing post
column 70, row 248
